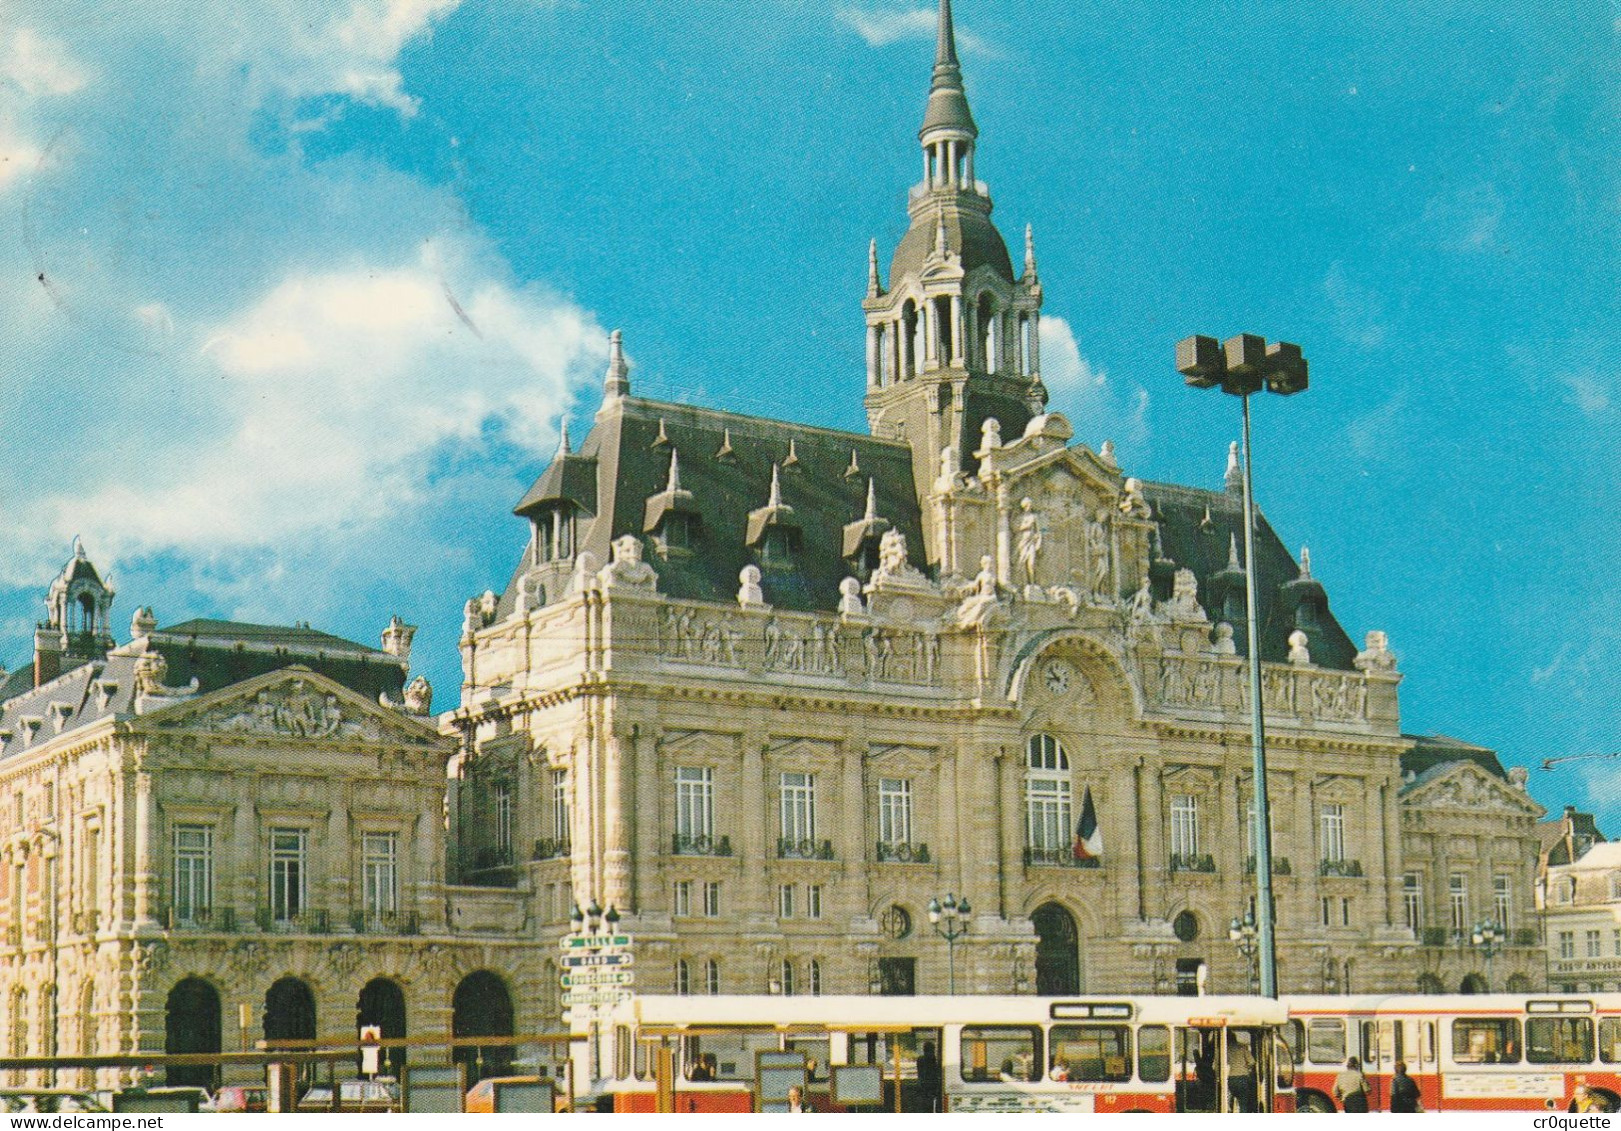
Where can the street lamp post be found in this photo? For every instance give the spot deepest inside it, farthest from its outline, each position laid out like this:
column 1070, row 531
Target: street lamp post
column 1243, row 935
column 1245, row 365
column 950, row 922
column 1488, row 936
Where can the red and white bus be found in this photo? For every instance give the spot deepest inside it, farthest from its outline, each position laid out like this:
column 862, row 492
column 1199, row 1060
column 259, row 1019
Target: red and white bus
column 1469, row 1052
column 1103, row 1054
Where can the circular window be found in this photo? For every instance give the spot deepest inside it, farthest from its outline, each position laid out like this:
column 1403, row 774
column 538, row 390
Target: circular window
column 1185, row 926
column 896, row 923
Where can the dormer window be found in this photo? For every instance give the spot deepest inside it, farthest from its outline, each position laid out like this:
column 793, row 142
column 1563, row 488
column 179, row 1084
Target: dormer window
column 676, row 531
column 777, row 546
column 554, row 533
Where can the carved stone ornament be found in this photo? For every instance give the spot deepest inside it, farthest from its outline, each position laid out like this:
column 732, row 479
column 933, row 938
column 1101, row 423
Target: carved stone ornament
column 694, row 636
column 893, row 567
column 151, row 692
column 1376, row 655
column 850, row 604
column 627, row 569
column 1299, row 650
column 296, row 710
column 1184, row 607
column 1030, row 538
column 1132, row 503
column 419, row 696
column 981, row 602
column 749, row 593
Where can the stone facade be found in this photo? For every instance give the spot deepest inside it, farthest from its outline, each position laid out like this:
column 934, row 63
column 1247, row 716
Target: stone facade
column 1581, row 903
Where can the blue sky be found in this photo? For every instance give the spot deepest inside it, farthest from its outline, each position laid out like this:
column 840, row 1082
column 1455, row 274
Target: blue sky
column 294, row 294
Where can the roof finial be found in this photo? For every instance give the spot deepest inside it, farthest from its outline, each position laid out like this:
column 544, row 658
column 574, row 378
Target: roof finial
column 1029, row 252
column 617, row 381
column 725, row 453
column 872, row 501
column 563, row 446
column 792, row 462
column 1232, row 552
column 775, row 498
column 1235, row 474
column 945, row 51
column 855, row 468
column 1305, row 563
column 873, row 287
column 78, row 546
column 673, row 484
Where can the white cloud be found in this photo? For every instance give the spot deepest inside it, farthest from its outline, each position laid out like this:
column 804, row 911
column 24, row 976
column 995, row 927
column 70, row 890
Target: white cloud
column 17, row 157
column 1358, row 310
column 39, row 65
column 1096, row 407
column 339, row 392
column 1593, row 396
column 881, row 27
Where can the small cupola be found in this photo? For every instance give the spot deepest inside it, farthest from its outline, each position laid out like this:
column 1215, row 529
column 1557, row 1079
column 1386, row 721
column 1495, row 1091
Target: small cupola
column 773, row 532
column 563, row 497
column 1226, row 588
column 1306, row 598
column 671, row 516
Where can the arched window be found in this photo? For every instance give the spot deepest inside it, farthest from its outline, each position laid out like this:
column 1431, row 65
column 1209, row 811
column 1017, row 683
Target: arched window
column 787, row 975
column 1027, row 351
column 814, row 976
column 988, row 343
column 1047, row 795
column 683, row 977
column 910, row 339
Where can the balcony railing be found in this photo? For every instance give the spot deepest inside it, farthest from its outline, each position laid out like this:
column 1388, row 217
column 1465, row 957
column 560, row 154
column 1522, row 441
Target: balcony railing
column 309, row 921
column 900, row 852
column 1192, row 862
column 548, row 849
column 189, row 919
column 1061, row 857
column 683, row 845
column 1434, row 936
column 385, row 923
column 1349, row 869
column 804, row 849
column 1280, row 866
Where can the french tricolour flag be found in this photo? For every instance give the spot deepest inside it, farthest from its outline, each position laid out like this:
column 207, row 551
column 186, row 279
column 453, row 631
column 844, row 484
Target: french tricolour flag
column 1088, row 837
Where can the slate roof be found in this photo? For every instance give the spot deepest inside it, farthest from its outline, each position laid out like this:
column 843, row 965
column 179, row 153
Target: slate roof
column 622, row 463
column 1432, row 755
column 216, row 653
column 1192, row 542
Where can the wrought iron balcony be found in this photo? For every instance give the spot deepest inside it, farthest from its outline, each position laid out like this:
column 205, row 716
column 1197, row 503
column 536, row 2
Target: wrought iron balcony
column 683, row 845
column 805, row 849
column 385, row 923
column 1192, row 862
column 1349, row 869
column 1280, row 866
column 308, row 921
column 900, row 852
column 548, row 849
column 1061, row 857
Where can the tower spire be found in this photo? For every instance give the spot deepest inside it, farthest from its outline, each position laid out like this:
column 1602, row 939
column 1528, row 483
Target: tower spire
column 616, row 382
column 945, row 51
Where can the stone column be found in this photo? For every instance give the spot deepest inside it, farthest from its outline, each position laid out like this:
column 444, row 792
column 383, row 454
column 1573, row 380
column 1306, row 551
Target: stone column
column 1004, row 536
column 145, row 877
column 873, row 364
column 617, row 818
column 757, row 822
column 245, row 851
column 957, row 327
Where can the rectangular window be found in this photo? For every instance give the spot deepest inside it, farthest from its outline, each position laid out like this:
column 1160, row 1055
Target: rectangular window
column 785, row 901
column 1502, row 902
column 1154, row 1054
column 1412, row 897
column 712, row 976
column 1616, row 938
column 1559, row 1040
column 503, row 820
column 1458, row 901
column 694, row 802
column 1486, row 1040
column 813, row 901
column 785, row 977
column 683, row 898
column 1325, row 1040
column 1609, row 1040
column 895, row 810
column 798, row 797
column 1333, row 829
column 1345, row 911
column 289, row 868
column 92, row 869
column 560, row 806
column 1047, row 812
column 1595, row 947
column 1567, row 944
column 1184, row 825
column 1000, row 1053
column 1091, row 1053
column 193, row 872
column 379, row 872
column 712, row 899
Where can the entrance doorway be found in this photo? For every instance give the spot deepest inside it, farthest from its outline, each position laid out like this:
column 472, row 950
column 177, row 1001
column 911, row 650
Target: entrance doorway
column 482, row 1007
column 382, row 1003
column 191, row 1024
column 1058, row 959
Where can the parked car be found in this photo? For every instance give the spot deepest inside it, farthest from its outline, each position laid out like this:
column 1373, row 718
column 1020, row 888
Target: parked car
column 237, row 1097
column 353, row 1095
column 481, row 1096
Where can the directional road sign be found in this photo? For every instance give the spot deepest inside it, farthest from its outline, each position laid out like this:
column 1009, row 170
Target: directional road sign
column 595, row 942
column 611, row 977
column 611, row 959
column 595, row 997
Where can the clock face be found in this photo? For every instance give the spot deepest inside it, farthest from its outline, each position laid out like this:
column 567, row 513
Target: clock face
column 1058, row 677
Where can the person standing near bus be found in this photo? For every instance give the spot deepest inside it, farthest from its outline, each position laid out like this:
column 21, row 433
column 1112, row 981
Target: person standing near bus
column 1403, row 1091
column 796, row 1100
column 1351, row 1087
column 929, row 1077
column 1240, row 1073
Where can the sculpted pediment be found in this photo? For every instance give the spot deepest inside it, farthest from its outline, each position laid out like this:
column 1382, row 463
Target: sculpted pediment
column 294, row 703
column 1468, row 787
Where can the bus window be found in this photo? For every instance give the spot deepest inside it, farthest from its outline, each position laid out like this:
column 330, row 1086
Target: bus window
column 725, row 1056
column 1294, row 1035
column 1426, row 1042
column 1285, row 1061
column 1009, row 1053
column 1609, row 1040
column 1090, row 1052
column 1370, row 1043
column 1559, row 1040
column 1486, row 1040
column 1153, row 1054
column 1325, row 1040
column 816, row 1050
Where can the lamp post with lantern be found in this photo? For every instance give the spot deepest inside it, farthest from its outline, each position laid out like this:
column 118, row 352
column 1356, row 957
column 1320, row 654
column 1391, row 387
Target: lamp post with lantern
column 950, row 922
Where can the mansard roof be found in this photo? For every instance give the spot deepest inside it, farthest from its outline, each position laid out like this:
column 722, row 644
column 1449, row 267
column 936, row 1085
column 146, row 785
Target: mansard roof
column 1432, row 754
column 215, row 653
column 630, row 450
column 1196, row 529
